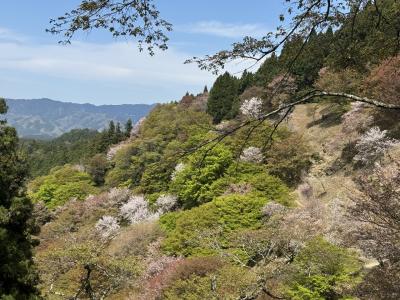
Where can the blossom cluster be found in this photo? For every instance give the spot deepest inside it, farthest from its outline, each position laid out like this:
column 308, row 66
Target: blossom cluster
column 107, row 226
column 252, row 154
column 372, row 145
column 136, row 210
column 252, row 108
column 178, row 168
column 166, row 203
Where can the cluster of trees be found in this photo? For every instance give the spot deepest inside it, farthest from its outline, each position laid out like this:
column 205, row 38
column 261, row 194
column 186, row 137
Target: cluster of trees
column 78, row 146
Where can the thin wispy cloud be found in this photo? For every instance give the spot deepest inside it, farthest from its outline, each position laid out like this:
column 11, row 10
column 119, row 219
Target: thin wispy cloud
column 82, row 65
column 9, row 36
column 228, row 30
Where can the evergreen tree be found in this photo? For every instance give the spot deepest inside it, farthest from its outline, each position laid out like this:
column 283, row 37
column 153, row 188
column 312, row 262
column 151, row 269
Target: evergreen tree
column 267, row 71
column 111, row 129
column 17, row 275
column 245, row 81
column 119, row 136
column 222, row 98
column 128, row 127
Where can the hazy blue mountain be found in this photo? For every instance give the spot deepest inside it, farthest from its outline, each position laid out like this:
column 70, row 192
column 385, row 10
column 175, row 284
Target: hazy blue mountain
column 46, row 118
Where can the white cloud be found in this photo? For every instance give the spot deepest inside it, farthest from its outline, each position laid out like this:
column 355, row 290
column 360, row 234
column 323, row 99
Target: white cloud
column 9, row 36
column 96, row 72
column 101, row 62
column 229, row 30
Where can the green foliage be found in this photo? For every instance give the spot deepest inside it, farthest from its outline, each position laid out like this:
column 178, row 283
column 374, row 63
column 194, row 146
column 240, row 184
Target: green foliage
column 289, row 158
column 192, row 184
column 323, row 271
column 370, row 41
column 128, row 128
column 147, row 163
column 61, row 185
column 229, row 282
column 268, row 70
column 72, row 147
column 222, row 98
column 97, row 168
column 305, row 67
column 187, row 231
column 156, row 177
column 17, row 274
column 253, row 179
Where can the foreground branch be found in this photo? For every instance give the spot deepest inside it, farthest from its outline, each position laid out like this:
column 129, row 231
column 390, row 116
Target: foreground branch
column 310, row 97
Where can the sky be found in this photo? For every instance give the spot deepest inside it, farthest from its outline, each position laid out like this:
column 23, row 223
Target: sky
column 98, row 69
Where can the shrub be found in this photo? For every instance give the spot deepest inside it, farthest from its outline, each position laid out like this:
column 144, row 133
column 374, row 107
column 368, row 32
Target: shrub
column 118, row 196
column 228, row 282
column 323, row 271
column 97, row 168
column 226, row 213
column 355, row 120
column 247, row 178
column 289, row 158
column 61, row 185
column 178, row 168
column 192, row 184
column 345, row 81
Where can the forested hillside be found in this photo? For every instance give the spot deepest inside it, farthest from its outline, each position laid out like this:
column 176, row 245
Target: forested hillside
column 194, row 205
column 282, row 183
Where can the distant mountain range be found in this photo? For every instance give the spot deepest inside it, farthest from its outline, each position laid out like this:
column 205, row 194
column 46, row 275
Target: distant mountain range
column 46, row 118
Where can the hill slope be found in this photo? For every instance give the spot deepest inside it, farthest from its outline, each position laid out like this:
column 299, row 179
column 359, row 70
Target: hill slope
column 45, row 118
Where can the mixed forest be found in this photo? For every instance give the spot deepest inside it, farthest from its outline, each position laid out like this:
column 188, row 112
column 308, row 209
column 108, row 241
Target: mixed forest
column 264, row 186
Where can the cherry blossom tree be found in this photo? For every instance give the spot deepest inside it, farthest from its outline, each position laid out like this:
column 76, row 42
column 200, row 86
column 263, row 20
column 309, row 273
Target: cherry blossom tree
column 166, row 203
column 252, row 108
column 178, row 168
column 252, row 154
column 136, row 210
column 372, row 145
column 107, row 226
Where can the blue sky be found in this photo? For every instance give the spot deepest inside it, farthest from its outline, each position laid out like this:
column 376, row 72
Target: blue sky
column 99, row 69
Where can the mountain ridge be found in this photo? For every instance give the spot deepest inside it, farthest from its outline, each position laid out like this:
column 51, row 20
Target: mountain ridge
column 46, row 118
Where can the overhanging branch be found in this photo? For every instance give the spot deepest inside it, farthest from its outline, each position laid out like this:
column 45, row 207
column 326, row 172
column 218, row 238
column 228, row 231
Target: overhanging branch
column 306, row 99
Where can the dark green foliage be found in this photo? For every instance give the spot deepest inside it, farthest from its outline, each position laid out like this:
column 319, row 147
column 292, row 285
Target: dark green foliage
column 368, row 38
column 128, row 128
column 222, row 98
column 305, row 67
column 97, row 167
column 268, row 70
column 17, row 275
column 73, row 147
column 78, row 146
column 245, row 81
column 156, row 177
